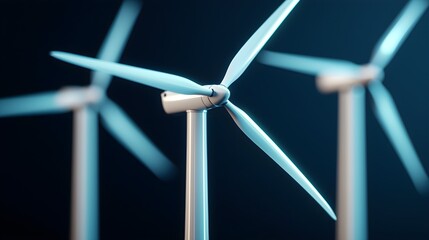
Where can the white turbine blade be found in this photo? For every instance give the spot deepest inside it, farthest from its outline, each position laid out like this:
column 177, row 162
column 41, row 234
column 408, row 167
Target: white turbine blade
column 120, row 125
column 114, row 44
column 252, row 47
column 160, row 80
column 401, row 27
column 307, row 64
column 390, row 120
column 32, row 104
column 261, row 139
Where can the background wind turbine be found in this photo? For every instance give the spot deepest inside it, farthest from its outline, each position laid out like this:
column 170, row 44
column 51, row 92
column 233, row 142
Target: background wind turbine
column 86, row 103
column 349, row 80
column 184, row 95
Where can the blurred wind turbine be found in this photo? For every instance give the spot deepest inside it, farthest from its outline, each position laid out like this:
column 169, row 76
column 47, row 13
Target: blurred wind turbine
column 349, row 80
column 185, row 95
column 86, row 103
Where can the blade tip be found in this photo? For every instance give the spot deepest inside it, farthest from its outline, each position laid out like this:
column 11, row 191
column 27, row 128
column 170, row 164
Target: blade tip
column 135, row 3
column 133, row 6
column 53, row 53
column 168, row 174
column 423, row 188
column 56, row 54
column 262, row 56
column 330, row 212
column 333, row 215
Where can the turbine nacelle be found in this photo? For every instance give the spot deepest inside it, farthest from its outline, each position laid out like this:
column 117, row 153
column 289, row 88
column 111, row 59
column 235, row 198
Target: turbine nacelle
column 175, row 102
column 75, row 97
column 338, row 81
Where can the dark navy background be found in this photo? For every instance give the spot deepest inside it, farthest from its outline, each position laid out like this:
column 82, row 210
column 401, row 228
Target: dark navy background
column 250, row 197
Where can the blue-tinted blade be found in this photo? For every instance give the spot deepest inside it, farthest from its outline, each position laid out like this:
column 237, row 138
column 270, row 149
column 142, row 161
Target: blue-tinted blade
column 114, row 44
column 401, row 27
column 32, row 104
column 264, row 142
column 252, row 47
column 388, row 116
column 306, row 64
column 128, row 134
column 160, row 80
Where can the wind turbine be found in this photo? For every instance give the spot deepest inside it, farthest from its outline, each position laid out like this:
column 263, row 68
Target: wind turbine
column 349, row 80
column 86, row 103
column 184, row 95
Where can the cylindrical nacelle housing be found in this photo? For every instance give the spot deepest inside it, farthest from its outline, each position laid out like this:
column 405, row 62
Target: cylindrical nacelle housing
column 332, row 82
column 174, row 102
column 76, row 97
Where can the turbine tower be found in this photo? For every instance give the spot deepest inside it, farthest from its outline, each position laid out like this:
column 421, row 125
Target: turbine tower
column 86, row 103
column 184, row 95
column 350, row 80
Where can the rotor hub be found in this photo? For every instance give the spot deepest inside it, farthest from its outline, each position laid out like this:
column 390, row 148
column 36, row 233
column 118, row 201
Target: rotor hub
column 75, row 97
column 174, row 102
column 371, row 72
column 220, row 95
column 332, row 82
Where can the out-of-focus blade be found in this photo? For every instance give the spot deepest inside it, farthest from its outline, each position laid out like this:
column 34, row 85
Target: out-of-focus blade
column 307, row 64
column 388, row 116
column 114, row 44
column 252, row 47
column 401, row 27
column 120, row 125
column 261, row 139
column 32, row 104
column 160, row 80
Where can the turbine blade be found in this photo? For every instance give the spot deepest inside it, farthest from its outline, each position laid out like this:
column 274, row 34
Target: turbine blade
column 32, row 104
column 390, row 120
column 143, row 76
column 252, row 47
column 399, row 30
column 120, row 125
column 114, row 44
column 261, row 139
column 306, row 64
